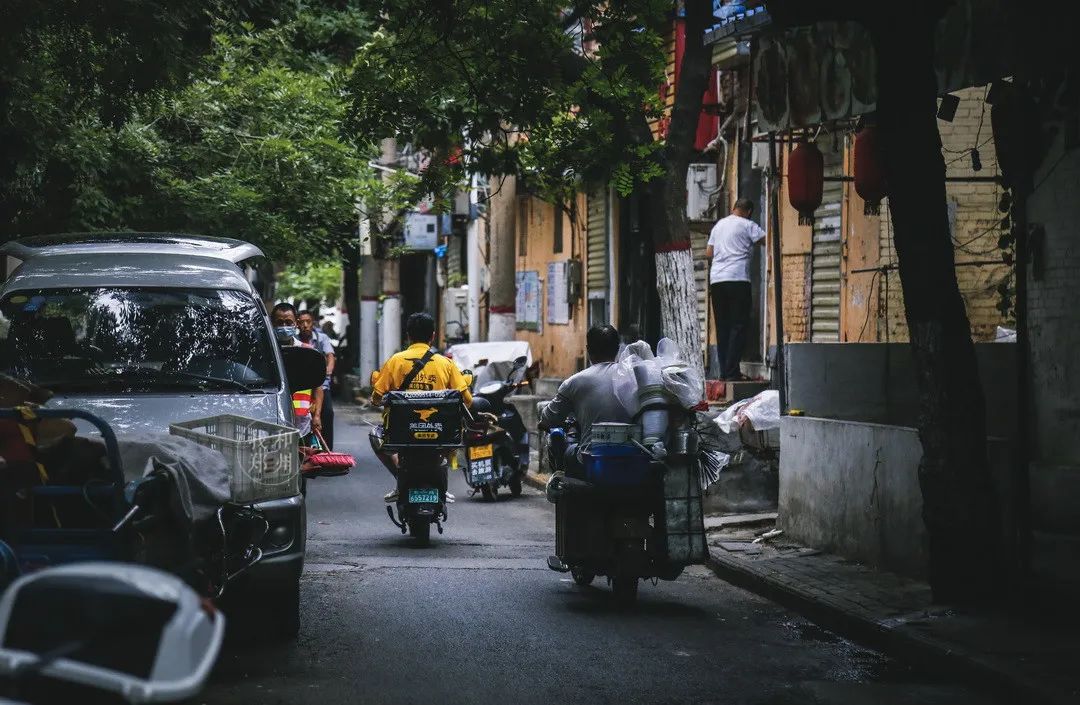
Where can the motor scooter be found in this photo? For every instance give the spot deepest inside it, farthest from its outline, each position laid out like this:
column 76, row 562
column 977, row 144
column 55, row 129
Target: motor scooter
column 497, row 444
column 421, row 428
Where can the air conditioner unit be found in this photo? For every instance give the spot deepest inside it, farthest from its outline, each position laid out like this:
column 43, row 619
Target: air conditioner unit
column 700, row 185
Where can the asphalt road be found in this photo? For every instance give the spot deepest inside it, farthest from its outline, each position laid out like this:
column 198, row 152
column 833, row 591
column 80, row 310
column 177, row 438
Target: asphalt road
column 478, row 618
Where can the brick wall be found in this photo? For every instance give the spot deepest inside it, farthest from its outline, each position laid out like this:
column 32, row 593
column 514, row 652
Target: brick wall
column 975, row 217
column 1054, row 317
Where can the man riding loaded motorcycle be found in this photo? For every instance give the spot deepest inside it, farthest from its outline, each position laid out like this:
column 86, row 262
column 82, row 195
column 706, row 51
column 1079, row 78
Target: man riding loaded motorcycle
column 627, row 509
column 417, row 368
column 588, row 397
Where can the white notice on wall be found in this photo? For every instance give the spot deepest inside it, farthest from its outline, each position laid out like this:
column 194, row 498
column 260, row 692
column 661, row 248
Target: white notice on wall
column 558, row 308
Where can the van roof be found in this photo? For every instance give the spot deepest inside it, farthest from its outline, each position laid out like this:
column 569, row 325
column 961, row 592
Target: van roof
column 223, row 248
column 128, row 270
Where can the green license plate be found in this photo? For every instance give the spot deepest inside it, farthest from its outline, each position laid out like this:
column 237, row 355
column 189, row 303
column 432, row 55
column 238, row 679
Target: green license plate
column 426, row 496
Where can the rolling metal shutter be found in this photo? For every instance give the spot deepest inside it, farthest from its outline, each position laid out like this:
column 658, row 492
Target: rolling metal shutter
column 825, row 256
column 597, row 258
column 699, row 241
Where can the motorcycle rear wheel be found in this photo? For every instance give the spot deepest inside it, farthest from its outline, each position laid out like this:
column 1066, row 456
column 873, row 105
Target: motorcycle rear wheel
column 421, row 531
column 582, row 577
column 489, row 493
column 625, row 590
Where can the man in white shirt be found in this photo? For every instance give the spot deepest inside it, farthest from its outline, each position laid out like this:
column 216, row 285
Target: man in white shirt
column 731, row 244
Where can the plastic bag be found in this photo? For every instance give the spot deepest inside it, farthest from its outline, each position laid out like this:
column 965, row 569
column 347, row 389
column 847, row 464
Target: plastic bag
column 762, row 412
column 680, row 379
column 642, row 376
column 625, row 379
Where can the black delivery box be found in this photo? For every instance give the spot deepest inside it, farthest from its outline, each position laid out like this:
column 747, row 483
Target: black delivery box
column 423, row 419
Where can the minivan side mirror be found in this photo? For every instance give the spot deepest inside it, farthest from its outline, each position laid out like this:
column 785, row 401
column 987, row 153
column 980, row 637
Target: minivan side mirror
column 305, row 368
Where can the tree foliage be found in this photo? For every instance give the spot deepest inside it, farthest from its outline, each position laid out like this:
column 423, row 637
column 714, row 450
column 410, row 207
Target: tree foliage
column 73, row 73
column 562, row 96
column 199, row 116
column 311, row 282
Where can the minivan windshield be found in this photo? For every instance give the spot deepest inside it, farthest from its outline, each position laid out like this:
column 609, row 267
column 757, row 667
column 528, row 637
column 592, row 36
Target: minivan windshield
column 137, row 340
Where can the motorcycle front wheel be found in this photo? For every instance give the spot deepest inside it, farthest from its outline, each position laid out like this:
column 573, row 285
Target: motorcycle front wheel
column 515, row 486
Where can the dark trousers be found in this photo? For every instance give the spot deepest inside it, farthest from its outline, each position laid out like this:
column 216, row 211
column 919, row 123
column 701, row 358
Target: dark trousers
column 327, row 417
column 563, row 456
column 731, row 311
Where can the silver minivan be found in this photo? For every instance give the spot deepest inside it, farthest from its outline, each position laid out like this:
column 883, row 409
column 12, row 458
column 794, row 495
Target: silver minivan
column 145, row 330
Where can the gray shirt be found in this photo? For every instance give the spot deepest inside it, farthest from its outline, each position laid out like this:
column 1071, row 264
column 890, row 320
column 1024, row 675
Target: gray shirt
column 590, row 397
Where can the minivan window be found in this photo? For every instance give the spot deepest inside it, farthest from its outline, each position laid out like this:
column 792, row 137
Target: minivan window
column 136, row 340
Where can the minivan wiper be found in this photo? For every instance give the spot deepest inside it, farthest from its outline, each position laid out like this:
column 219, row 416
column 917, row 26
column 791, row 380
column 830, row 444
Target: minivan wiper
column 145, row 379
column 223, row 381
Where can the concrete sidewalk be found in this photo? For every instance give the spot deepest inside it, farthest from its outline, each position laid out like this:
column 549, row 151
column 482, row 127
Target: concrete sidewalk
column 1033, row 662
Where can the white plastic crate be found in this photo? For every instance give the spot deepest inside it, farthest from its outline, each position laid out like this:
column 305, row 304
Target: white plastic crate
column 264, row 457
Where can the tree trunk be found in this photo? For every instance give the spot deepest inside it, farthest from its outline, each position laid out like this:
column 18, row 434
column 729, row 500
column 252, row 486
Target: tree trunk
column 350, row 291
column 675, row 279
column 502, row 296
column 959, row 502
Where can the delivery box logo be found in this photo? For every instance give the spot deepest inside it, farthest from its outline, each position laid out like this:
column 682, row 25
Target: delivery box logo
column 425, row 414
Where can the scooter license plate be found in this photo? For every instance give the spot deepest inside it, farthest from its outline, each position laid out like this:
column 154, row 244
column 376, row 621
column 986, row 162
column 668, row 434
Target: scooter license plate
column 425, row 496
column 481, row 452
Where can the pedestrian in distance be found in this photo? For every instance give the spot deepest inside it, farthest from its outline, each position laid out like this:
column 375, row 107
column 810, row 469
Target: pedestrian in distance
column 307, row 403
column 731, row 245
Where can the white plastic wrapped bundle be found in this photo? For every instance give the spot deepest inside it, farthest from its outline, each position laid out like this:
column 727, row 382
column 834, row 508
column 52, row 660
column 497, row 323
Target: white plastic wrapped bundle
column 642, row 378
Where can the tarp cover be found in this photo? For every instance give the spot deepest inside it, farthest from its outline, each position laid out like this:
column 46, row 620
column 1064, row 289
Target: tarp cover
column 200, row 475
column 500, row 357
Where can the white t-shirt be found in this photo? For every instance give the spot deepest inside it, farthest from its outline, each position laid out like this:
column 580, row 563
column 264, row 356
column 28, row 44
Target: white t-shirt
column 732, row 239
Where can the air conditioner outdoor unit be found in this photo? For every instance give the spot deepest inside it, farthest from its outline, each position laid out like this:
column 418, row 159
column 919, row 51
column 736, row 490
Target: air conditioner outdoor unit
column 700, row 185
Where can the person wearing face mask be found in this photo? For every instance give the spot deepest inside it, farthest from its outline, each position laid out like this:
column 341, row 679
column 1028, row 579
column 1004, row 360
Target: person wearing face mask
column 311, row 335
column 307, row 403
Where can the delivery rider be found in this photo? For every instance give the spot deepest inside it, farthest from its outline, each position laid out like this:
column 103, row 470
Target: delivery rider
column 418, row 368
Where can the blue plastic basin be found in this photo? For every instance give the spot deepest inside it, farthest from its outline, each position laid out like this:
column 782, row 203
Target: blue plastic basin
column 619, row 464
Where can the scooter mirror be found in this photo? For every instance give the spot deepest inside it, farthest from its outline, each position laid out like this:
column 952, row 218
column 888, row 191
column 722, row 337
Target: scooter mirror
column 119, row 628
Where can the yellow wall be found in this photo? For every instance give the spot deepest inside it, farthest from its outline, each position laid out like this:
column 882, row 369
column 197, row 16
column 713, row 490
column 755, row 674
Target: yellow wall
column 560, row 349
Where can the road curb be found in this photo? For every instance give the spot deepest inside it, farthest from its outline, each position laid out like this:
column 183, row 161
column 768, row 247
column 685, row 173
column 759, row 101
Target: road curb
column 536, row 480
column 895, row 640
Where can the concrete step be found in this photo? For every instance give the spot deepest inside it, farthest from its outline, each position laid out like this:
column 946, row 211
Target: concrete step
column 720, row 392
column 546, row 387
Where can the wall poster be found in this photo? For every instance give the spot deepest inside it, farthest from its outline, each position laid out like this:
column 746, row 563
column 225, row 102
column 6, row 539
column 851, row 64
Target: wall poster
column 528, row 301
column 558, row 306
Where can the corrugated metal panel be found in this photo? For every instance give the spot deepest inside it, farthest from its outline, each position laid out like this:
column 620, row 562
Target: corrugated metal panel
column 825, row 256
column 699, row 241
column 596, row 247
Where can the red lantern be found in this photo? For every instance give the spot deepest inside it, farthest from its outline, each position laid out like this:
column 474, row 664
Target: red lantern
column 869, row 174
column 806, row 175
